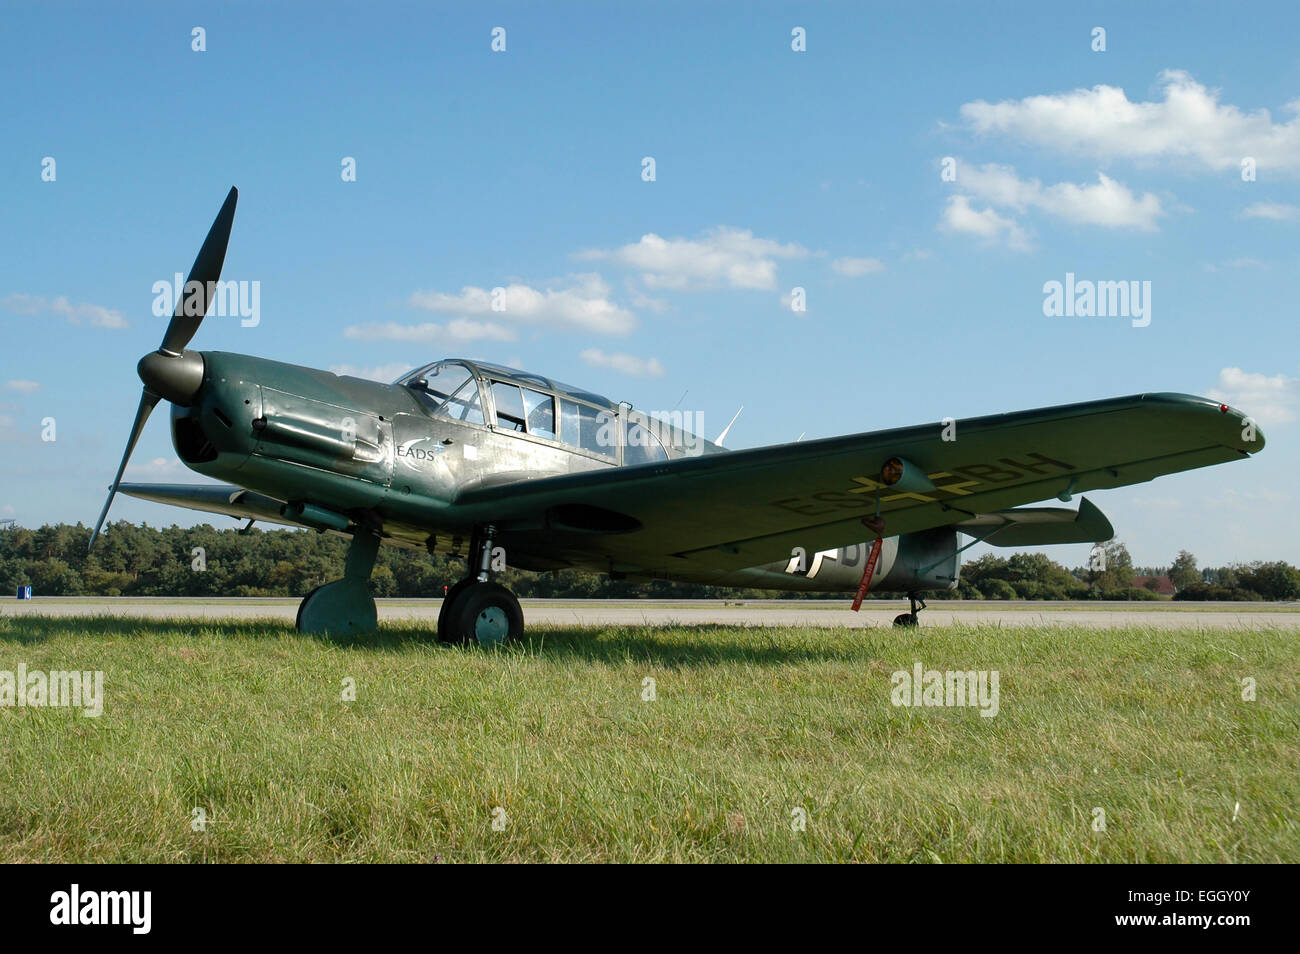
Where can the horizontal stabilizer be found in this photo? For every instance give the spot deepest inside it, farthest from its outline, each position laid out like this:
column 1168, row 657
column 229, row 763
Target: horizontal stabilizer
column 1040, row 526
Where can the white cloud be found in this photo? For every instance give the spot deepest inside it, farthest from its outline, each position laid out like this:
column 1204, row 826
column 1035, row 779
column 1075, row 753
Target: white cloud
column 9, row 432
column 84, row 313
column 1236, row 263
column 1189, row 124
column 1268, row 400
column 624, row 363
column 583, row 304
column 722, row 257
column 1271, row 210
column 1106, row 203
column 23, row 386
column 1244, row 498
column 383, row 373
column 640, row 299
column 857, row 267
column 1162, row 503
column 456, row 331
column 987, row 225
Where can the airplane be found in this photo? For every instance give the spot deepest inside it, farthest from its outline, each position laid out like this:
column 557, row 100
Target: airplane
column 493, row 464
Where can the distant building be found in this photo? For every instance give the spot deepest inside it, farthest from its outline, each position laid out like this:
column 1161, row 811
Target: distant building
column 1163, row 585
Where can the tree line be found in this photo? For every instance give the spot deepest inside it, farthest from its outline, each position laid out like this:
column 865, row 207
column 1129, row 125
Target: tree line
column 1034, row 576
column 131, row 560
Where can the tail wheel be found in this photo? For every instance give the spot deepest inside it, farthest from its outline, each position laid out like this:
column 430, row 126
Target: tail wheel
column 483, row 613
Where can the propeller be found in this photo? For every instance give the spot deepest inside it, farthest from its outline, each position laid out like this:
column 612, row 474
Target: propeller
column 205, row 271
column 171, row 372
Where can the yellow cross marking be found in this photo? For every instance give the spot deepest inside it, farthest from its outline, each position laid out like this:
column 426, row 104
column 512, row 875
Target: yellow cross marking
column 868, row 485
column 957, row 489
column 903, row 496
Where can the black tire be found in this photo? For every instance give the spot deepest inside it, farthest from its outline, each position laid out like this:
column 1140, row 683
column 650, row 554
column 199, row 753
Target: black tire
column 484, row 613
column 907, row 620
column 456, row 589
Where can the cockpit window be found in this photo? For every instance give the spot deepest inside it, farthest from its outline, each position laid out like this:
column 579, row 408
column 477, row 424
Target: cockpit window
column 442, row 381
column 641, row 444
column 510, row 406
column 529, row 404
column 447, row 388
column 539, row 409
column 582, row 425
column 542, row 383
column 464, row 404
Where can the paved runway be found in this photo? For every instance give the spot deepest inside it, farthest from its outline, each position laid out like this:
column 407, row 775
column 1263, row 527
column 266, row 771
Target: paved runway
column 688, row 612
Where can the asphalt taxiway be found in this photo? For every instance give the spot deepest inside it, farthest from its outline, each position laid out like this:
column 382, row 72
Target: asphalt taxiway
column 726, row 612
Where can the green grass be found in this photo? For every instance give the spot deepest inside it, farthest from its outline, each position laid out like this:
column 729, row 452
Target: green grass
column 245, row 720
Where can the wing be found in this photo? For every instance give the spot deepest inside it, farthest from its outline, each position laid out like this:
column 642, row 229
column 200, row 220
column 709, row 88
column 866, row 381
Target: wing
column 213, row 498
column 744, row 508
column 236, row 502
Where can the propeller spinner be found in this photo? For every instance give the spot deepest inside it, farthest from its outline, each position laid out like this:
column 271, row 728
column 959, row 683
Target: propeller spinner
column 171, row 372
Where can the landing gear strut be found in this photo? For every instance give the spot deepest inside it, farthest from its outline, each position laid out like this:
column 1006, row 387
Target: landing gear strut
column 345, row 607
column 913, row 618
column 477, row 610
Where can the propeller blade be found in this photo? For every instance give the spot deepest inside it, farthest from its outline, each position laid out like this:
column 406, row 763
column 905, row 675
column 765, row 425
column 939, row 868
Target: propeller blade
column 148, row 401
column 206, row 270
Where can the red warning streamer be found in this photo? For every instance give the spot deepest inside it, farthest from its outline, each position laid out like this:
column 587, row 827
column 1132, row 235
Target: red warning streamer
column 872, row 557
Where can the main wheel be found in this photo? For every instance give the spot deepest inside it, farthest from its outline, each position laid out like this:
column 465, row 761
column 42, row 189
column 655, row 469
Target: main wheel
column 483, row 613
column 297, row 621
column 905, row 619
column 447, row 601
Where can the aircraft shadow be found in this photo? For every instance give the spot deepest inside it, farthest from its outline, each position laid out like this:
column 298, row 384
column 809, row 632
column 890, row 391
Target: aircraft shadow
column 677, row 646
column 28, row 630
column 690, row 645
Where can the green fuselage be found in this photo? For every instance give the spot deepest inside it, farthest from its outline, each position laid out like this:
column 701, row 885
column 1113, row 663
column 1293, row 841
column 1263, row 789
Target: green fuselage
column 342, row 451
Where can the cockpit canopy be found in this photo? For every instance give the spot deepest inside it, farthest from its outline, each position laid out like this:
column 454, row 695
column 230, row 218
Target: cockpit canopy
column 544, row 409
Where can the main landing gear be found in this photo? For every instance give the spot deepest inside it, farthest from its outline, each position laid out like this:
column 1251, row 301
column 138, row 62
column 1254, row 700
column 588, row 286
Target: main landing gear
column 911, row 619
column 477, row 610
column 345, row 607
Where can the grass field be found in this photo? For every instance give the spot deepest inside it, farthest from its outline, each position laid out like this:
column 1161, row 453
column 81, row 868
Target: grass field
column 246, row 720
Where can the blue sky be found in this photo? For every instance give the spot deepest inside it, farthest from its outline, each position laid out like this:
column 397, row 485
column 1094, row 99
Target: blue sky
column 774, row 169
